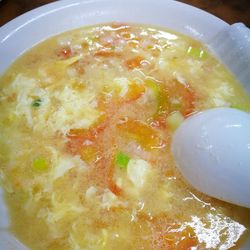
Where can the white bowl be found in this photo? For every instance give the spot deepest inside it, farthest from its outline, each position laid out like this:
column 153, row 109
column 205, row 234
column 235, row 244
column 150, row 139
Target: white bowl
column 27, row 30
column 31, row 28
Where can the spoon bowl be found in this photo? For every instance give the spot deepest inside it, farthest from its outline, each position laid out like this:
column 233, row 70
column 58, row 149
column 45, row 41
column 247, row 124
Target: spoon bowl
column 212, row 151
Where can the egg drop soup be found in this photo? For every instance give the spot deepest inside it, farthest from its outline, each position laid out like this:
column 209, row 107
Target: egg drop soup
column 86, row 121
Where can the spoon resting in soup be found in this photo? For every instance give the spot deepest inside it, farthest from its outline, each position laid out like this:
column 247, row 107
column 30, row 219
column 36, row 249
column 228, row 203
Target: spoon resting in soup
column 212, row 150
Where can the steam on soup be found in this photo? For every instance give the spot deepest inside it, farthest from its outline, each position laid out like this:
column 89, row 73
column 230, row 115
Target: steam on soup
column 87, row 119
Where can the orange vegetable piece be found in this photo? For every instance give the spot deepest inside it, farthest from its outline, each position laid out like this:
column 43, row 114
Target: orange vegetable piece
column 89, row 145
column 89, row 153
column 134, row 62
column 87, row 134
column 111, row 184
column 185, row 95
column 77, row 137
column 64, row 52
column 102, row 171
column 107, row 53
column 142, row 133
column 135, row 91
column 114, row 188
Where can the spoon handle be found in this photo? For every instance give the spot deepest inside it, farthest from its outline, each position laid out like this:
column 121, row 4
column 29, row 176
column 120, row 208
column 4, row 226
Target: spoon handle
column 232, row 47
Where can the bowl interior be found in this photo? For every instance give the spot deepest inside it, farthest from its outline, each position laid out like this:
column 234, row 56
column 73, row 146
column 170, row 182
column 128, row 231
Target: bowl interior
column 31, row 28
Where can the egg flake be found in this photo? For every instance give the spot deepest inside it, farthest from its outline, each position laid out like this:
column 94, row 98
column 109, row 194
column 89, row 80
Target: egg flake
column 137, row 171
column 73, row 109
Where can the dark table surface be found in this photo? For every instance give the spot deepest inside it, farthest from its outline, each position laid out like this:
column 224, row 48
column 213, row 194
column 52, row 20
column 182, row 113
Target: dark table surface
column 231, row 11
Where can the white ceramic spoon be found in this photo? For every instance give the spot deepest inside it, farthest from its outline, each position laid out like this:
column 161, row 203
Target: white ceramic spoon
column 212, row 151
column 232, row 47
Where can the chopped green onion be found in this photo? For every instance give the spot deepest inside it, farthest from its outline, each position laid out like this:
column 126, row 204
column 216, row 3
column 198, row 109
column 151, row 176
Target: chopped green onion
column 36, row 103
column 174, row 120
column 236, row 107
column 40, row 164
column 197, row 53
column 92, row 39
column 121, row 160
column 160, row 95
column 153, row 86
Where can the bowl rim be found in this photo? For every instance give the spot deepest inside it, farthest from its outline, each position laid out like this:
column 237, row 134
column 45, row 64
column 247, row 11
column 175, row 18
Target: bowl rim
column 55, row 6
column 11, row 31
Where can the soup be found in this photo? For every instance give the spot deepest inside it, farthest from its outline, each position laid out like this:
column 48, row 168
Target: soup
column 87, row 119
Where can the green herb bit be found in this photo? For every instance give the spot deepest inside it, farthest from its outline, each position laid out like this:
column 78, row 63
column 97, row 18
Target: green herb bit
column 236, row 107
column 40, row 164
column 36, row 103
column 153, row 86
column 161, row 97
column 121, row 160
column 197, row 53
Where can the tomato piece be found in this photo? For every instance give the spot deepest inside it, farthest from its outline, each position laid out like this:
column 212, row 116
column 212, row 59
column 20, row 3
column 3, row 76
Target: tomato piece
column 159, row 121
column 83, row 141
column 74, row 133
column 135, row 91
column 181, row 98
column 111, row 184
column 114, row 188
column 102, row 172
column 113, row 101
column 142, row 133
column 134, row 62
column 87, row 134
column 64, row 52
column 89, row 153
column 107, row 53
column 89, row 144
